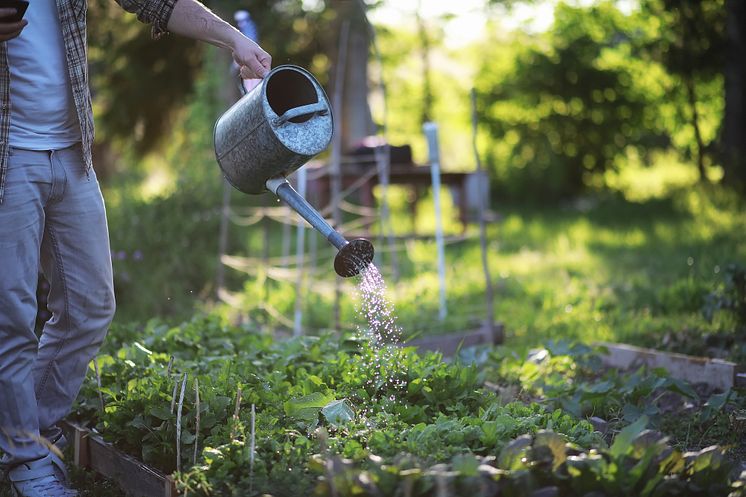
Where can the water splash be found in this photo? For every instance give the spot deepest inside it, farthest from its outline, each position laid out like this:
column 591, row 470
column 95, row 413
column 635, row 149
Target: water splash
column 383, row 337
column 377, row 310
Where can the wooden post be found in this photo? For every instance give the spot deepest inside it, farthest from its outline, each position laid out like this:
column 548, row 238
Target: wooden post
column 489, row 292
column 196, row 421
column 252, row 448
column 300, row 250
column 286, row 234
column 179, row 410
column 383, row 156
column 223, row 237
column 336, row 152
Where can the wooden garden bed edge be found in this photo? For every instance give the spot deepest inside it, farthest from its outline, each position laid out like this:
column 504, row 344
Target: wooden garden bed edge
column 134, row 477
column 716, row 373
column 449, row 344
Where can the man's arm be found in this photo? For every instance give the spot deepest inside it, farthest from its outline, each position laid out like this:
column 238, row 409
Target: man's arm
column 193, row 20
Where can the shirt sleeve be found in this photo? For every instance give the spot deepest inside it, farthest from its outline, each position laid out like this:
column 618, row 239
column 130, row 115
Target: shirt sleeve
column 155, row 12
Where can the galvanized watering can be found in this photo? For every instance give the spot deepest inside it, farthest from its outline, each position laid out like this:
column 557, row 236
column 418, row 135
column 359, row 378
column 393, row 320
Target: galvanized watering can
column 272, row 131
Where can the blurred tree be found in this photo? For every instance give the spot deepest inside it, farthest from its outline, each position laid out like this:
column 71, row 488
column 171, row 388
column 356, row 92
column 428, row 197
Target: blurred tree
column 734, row 121
column 691, row 46
column 573, row 101
column 137, row 83
column 702, row 44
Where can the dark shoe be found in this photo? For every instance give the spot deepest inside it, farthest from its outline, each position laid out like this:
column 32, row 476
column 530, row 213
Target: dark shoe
column 38, row 478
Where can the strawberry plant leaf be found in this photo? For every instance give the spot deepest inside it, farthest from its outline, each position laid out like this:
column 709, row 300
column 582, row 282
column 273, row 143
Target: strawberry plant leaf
column 338, row 412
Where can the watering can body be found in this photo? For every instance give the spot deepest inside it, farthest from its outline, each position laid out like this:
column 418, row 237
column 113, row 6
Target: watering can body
column 274, row 129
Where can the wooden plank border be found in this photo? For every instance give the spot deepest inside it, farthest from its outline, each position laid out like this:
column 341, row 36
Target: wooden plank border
column 134, row 477
column 450, row 343
column 717, row 373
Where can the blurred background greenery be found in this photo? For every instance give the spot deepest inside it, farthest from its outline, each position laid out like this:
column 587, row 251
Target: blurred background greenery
column 614, row 134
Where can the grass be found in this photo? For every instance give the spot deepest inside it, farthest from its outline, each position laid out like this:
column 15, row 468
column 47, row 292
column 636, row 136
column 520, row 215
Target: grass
column 614, row 266
column 603, row 268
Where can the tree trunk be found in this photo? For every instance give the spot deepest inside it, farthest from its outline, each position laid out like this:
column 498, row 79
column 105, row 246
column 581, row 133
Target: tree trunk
column 692, row 98
column 734, row 121
column 427, row 89
column 355, row 113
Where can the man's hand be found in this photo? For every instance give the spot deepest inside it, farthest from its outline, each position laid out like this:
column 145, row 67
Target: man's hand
column 251, row 58
column 8, row 29
column 192, row 19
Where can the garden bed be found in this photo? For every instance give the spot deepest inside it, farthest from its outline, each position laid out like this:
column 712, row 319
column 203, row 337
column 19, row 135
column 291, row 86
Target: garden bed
column 335, row 417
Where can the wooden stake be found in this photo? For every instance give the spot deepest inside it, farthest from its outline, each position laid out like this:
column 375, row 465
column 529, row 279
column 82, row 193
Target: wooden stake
column 178, row 423
column 299, row 253
column 252, row 448
column 196, row 422
column 336, row 152
column 235, row 412
column 223, row 237
column 489, row 292
column 173, row 394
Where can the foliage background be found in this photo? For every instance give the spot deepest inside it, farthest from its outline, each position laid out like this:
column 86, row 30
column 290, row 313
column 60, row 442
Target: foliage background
column 588, row 130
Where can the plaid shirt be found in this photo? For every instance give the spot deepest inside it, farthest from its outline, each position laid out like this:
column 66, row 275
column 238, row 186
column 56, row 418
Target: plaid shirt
column 73, row 22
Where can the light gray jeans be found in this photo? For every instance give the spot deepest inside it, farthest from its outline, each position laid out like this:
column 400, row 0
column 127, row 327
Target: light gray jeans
column 52, row 217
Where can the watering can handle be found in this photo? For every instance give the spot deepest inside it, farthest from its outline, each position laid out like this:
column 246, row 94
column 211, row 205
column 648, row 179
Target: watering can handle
column 318, row 108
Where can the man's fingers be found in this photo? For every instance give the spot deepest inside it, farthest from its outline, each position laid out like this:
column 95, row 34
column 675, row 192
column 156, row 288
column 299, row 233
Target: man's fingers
column 7, row 11
column 246, row 73
column 266, row 61
column 254, row 69
column 249, row 73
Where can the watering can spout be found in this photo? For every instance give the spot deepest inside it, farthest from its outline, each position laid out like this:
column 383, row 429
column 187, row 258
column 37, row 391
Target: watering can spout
column 353, row 256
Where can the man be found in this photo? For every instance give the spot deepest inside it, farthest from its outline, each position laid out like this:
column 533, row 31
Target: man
column 52, row 215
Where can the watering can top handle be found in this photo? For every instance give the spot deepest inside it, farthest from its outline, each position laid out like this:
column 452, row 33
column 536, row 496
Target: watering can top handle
column 317, row 108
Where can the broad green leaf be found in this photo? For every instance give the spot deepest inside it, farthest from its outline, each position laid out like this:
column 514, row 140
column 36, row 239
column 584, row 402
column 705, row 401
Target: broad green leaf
column 161, row 412
column 338, row 412
column 220, row 402
column 307, row 407
column 510, row 456
column 601, row 387
column 708, row 458
column 632, row 413
column 714, row 404
column 623, row 441
column 187, row 438
column 466, row 464
column 554, row 442
column 139, row 423
column 683, row 388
